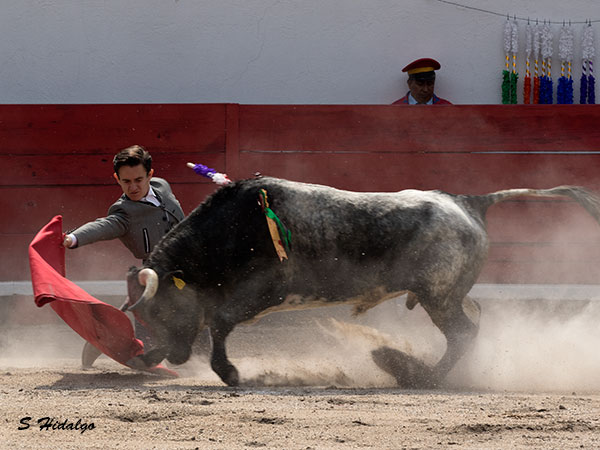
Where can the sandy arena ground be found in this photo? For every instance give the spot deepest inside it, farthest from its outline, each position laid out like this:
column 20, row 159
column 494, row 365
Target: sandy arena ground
column 531, row 381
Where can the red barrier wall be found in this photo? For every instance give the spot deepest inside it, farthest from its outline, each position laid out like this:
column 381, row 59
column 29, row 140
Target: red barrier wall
column 56, row 159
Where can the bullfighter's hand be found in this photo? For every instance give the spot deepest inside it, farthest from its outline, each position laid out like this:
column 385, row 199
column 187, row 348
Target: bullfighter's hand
column 68, row 241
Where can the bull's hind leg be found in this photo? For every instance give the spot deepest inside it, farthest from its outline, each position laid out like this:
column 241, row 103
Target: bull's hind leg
column 410, row 373
column 459, row 324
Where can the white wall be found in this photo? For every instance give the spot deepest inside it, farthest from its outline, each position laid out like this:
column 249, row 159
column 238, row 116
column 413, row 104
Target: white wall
column 259, row 51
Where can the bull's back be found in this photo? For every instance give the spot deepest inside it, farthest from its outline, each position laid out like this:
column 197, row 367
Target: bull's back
column 344, row 242
column 330, row 219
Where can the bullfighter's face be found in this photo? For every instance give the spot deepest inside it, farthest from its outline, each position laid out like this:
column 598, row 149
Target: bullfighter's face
column 134, row 181
column 421, row 90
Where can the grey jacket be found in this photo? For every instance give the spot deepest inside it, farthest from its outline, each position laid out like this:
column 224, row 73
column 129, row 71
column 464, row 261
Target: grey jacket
column 139, row 225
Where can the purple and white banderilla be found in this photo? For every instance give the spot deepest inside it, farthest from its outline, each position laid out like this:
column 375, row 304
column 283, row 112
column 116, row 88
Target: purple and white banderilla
column 220, row 178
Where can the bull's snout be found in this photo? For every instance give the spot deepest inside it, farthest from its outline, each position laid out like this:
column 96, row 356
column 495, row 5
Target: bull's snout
column 179, row 354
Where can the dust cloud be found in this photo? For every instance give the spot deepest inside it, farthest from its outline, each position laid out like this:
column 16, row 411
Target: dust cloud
column 26, row 346
column 339, row 356
column 523, row 345
column 540, row 346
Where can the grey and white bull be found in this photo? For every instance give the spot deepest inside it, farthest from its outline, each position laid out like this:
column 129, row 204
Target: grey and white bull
column 347, row 247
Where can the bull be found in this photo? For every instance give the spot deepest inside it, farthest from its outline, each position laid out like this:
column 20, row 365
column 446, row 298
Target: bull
column 219, row 267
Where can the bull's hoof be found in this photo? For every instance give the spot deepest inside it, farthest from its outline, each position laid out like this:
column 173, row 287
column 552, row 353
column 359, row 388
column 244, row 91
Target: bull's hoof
column 227, row 372
column 410, row 373
column 233, row 378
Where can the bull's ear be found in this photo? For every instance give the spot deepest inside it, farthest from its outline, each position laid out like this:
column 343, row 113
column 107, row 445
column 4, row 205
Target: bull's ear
column 176, row 273
column 176, row 277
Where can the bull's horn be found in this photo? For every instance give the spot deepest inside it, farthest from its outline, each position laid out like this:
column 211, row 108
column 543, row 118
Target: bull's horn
column 149, row 278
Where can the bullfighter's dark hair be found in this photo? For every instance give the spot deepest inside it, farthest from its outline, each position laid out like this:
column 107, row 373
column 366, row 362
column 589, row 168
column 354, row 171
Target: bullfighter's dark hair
column 132, row 156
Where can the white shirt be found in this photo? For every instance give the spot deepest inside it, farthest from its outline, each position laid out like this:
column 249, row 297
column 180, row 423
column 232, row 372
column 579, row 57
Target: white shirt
column 151, row 197
column 412, row 101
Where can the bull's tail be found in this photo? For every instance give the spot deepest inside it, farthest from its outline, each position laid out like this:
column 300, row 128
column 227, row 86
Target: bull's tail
column 581, row 195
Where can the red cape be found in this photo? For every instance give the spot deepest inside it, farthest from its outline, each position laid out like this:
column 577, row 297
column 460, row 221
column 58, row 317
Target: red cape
column 101, row 324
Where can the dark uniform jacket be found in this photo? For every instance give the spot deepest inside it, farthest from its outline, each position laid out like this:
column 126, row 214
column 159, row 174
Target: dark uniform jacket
column 139, row 225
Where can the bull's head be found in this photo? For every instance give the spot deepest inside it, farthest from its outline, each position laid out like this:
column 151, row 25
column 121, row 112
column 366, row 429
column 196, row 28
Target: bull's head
column 170, row 310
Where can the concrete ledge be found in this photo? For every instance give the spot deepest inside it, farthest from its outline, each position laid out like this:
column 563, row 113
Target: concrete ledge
column 481, row 291
column 536, row 291
column 95, row 288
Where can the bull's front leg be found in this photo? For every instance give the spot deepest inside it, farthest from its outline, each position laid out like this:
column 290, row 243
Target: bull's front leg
column 219, row 362
column 240, row 308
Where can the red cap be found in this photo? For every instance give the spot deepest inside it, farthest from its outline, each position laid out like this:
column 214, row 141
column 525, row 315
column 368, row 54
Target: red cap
column 423, row 65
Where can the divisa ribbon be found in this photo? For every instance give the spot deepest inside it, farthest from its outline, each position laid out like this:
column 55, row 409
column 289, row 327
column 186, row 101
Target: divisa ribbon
column 280, row 235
